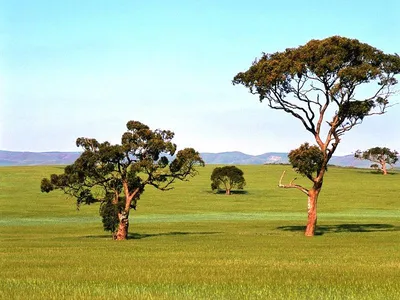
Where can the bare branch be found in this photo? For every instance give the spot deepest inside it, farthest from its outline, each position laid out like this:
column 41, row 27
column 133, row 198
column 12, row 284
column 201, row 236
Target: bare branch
column 291, row 185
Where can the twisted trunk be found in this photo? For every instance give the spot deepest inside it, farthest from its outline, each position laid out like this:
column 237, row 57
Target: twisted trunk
column 123, row 226
column 123, row 216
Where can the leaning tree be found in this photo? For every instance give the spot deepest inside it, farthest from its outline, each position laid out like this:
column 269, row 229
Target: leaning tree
column 227, row 178
column 379, row 155
column 116, row 175
column 321, row 84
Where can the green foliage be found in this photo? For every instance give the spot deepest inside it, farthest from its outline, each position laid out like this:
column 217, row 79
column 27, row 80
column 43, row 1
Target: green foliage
column 356, row 109
column 109, row 212
column 317, row 84
column 227, row 178
column 46, row 186
column 116, row 175
column 341, row 61
column 374, row 166
column 306, row 160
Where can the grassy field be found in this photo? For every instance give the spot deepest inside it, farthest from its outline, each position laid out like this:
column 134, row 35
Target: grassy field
column 189, row 243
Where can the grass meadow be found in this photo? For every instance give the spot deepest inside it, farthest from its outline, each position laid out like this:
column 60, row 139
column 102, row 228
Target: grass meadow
column 189, row 243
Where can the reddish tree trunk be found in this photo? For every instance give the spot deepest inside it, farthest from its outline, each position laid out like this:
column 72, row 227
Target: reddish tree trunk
column 384, row 170
column 312, row 210
column 122, row 232
column 227, row 192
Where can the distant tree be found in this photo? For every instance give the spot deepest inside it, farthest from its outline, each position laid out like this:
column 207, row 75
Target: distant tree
column 116, row 175
column 374, row 166
column 318, row 84
column 379, row 155
column 227, row 178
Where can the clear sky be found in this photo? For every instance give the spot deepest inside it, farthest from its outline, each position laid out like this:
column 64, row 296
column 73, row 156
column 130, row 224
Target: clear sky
column 84, row 68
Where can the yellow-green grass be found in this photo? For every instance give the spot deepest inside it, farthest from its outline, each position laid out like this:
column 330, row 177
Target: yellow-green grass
column 189, row 243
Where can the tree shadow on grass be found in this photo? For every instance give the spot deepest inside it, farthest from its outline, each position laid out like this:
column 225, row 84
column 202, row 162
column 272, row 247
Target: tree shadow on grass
column 343, row 228
column 235, row 192
column 376, row 173
column 139, row 236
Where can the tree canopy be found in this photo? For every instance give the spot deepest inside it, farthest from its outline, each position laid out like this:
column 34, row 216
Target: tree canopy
column 306, row 160
column 381, row 155
column 116, row 175
column 227, row 178
column 321, row 84
column 317, row 84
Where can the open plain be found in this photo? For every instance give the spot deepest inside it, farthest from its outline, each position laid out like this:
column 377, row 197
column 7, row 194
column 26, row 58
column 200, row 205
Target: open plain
column 189, row 243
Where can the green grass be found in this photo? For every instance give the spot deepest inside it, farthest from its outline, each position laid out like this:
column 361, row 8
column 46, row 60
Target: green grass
column 189, row 243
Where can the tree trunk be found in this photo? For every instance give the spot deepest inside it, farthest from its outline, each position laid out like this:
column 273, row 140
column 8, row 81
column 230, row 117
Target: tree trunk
column 227, row 192
column 122, row 232
column 384, row 170
column 312, row 209
column 123, row 226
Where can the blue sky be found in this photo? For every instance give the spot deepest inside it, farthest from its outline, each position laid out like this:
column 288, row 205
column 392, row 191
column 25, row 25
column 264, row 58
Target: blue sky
column 84, row 68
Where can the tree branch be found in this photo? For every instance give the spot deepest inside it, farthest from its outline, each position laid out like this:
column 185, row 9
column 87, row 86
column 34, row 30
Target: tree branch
column 291, row 185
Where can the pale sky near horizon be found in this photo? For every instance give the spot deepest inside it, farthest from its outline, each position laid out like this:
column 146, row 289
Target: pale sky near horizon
column 84, row 68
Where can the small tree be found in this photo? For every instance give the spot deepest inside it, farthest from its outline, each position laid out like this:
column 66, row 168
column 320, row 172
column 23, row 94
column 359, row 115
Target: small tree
column 375, row 167
column 379, row 155
column 227, row 178
column 116, row 175
column 318, row 84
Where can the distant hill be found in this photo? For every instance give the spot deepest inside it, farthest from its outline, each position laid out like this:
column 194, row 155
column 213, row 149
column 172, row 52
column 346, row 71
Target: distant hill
column 14, row 158
column 240, row 158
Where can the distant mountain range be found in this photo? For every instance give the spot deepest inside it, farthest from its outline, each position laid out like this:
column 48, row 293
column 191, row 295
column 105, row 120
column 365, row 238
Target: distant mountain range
column 239, row 158
column 14, row 158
